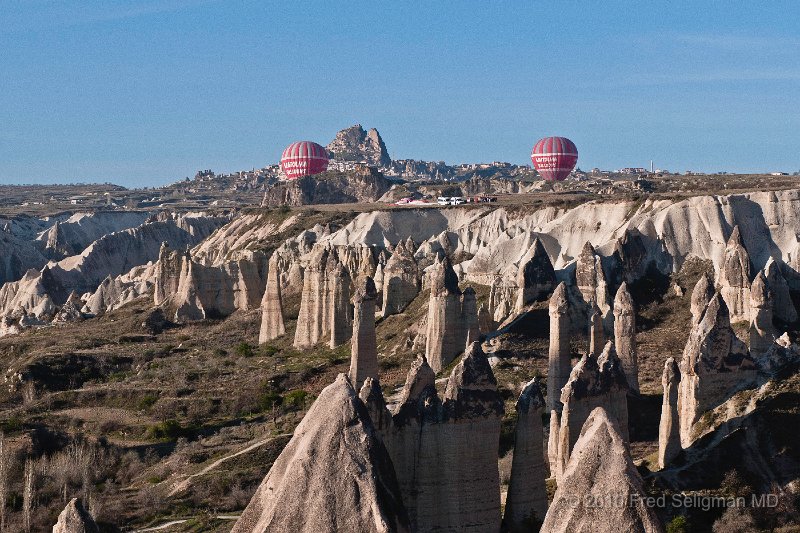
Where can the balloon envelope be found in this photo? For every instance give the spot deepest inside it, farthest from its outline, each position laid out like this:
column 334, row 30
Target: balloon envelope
column 554, row 157
column 303, row 158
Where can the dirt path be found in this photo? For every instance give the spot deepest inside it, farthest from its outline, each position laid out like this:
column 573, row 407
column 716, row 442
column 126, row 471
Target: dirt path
column 184, row 484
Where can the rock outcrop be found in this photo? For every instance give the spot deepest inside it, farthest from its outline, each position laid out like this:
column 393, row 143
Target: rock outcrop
column 734, row 278
column 75, row 519
column 715, row 362
column 526, row 501
column 354, row 186
column 559, row 365
column 338, row 279
column 334, row 475
column 762, row 333
column 625, row 335
column 591, row 281
column 669, row 438
column 356, row 144
column 597, row 337
column 594, row 382
column 448, row 324
column 363, row 348
column 445, row 451
column 600, row 491
column 783, row 305
column 701, row 294
column 469, row 313
column 535, row 277
column 401, row 279
column 272, row 324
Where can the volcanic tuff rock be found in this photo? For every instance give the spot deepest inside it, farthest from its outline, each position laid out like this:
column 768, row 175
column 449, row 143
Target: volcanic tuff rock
column 313, row 321
column 559, row 365
column 715, row 362
column 526, row 500
column 334, row 475
column 734, row 278
column 597, row 338
column 625, row 335
column 72, row 235
column 783, row 306
column 593, row 382
column 361, row 185
column 536, row 277
column 445, row 451
column 669, row 439
column 448, row 324
column 341, row 328
column 363, row 348
column 591, row 281
column 75, row 519
column 701, row 294
column 401, row 279
column 762, row 333
column 600, row 491
column 272, row 325
column 355, row 144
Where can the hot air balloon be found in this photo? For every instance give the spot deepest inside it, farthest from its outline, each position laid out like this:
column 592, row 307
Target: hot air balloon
column 554, row 157
column 303, row 158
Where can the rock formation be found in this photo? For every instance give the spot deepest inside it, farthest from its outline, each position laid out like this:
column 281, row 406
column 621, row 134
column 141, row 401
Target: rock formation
column 701, row 294
column 469, row 312
column 552, row 442
column 600, row 490
column 783, row 305
column 354, row 186
column 762, row 333
column 272, row 325
column 559, row 365
column 526, row 501
column 75, row 519
column 338, row 281
column 445, row 451
column 401, row 279
column 448, row 326
column 334, row 475
column 714, row 362
column 535, row 277
column 310, row 323
column 356, row 144
column 363, row 347
column 597, row 337
column 625, row 335
column 591, row 281
column 669, row 438
column 594, row 382
column 734, row 278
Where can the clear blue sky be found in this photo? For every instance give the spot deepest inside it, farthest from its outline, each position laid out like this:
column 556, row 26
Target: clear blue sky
column 146, row 92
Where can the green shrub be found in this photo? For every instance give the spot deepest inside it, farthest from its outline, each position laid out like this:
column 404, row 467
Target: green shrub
column 269, row 399
column 147, row 402
column 167, row 430
column 296, row 399
column 219, row 352
column 269, row 350
column 244, row 349
column 679, row 524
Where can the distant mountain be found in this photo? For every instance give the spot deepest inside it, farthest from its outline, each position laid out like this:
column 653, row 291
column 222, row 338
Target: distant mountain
column 358, row 145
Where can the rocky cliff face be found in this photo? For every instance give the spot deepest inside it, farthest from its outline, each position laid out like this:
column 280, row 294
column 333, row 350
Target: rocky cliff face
column 593, row 382
column 401, row 279
column 448, row 324
column 334, row 475
column 445, row 451
column 600, row 470
column 669, row 440
column 272, row 324
column 356, row 144
column 714, row 363
column 536, row 278
column 734, row 278
column 362, row 185
column 526, row 501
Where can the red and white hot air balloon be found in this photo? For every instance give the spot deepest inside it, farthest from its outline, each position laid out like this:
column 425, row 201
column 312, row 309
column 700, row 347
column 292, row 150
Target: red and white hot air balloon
column 303, row 158
column 554, row 157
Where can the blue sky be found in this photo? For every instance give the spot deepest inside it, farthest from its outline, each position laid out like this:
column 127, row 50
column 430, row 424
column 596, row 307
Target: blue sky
column 147, row 92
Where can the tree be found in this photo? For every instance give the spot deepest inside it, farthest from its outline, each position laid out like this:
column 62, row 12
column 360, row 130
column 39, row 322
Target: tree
column 5, row 467
column 27, row 494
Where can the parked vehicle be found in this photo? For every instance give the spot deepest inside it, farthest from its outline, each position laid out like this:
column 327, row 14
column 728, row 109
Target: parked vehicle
column 456, row 200
column 443, row 200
